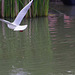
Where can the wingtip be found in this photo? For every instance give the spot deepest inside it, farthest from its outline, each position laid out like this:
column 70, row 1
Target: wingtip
column 31, row 0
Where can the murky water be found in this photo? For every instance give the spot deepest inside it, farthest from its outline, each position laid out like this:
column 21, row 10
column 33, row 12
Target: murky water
column 28, row 52
column 46, row 47
column 62, row 33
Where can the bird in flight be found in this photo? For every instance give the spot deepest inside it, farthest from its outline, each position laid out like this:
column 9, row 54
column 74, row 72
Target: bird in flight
column 15, row 25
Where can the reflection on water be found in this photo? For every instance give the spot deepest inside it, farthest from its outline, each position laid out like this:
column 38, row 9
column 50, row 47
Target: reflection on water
column 28, row 52
column 18, row 71
column 46, row 47
column 62, row 32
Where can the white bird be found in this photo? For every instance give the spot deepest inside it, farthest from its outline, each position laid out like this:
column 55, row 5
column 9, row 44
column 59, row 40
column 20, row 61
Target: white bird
column 16, row 24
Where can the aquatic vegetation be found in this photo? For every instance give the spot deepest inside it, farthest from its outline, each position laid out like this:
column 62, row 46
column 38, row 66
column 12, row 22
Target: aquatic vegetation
column 10, row 8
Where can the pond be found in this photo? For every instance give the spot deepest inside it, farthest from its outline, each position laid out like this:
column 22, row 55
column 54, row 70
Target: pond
column 46, row 47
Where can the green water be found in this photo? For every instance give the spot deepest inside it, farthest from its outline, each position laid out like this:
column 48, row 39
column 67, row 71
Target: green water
column 62, row 33
column 28, row 52
column 46, row 47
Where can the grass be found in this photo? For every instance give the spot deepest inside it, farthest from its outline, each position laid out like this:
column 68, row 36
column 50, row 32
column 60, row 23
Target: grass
column 10, row 8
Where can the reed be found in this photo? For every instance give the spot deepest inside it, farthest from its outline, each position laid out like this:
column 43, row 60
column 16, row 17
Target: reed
column 46, row 7
column 2, row 8
column 16, row 8
column 40, row 8
column 35, row 6
column 10, row 8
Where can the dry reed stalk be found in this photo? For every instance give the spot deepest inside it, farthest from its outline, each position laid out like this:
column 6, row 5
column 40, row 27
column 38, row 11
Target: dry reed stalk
column 2, row 10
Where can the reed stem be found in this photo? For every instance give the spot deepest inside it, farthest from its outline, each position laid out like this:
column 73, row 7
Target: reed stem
column 10, row 8
column 2, row 12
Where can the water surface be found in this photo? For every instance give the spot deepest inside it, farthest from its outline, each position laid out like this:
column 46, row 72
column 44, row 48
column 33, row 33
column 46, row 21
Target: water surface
column 28, row 52
column 46, row 47
column 62, row 32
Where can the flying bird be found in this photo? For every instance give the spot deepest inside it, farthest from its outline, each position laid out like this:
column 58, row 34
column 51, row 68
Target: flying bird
column 15, row 25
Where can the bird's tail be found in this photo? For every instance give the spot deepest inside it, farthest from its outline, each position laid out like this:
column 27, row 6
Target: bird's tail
column 19, row 27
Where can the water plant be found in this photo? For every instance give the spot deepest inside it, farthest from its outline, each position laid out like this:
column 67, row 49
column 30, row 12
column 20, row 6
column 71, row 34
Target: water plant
column 10, row 8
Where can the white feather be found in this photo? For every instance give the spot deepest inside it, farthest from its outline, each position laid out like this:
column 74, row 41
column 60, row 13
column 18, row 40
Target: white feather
column 18, row 28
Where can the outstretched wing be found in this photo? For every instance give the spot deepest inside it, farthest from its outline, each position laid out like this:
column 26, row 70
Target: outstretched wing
column 5, row 21
column 22, row 13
